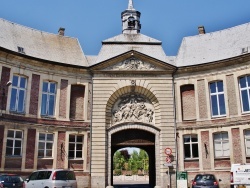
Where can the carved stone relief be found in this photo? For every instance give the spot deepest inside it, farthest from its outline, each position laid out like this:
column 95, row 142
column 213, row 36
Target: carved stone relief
column 133, row 108
column 133, row 64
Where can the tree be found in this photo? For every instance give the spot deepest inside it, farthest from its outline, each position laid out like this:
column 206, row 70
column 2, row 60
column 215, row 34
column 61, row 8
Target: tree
column 123, row 160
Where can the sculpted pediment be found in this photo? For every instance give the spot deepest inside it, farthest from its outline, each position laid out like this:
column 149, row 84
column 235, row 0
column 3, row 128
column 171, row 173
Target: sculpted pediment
column 133, row 108
column 133, row 64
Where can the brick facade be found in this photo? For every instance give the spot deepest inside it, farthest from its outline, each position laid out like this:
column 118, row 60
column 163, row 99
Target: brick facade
column 34, row 93
column 31, row 142
column 5, row 77
column 202, row 99
column 188, row 102
column 205, row 150
column 236, row 150
column 77, row 102
column 63, row 98
column 231, row 93
column 61, row 152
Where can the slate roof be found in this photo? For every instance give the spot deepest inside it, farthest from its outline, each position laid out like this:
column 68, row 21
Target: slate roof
column 125, row 42
column 214, row 46
column 42, row 45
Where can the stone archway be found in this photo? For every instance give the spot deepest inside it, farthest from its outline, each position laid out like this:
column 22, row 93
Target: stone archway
column 143, row 136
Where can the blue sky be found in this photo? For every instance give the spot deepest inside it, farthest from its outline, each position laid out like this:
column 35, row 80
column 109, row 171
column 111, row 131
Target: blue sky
column 92, row 21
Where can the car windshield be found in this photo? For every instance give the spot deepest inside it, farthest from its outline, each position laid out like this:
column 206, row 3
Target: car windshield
column 204, row 177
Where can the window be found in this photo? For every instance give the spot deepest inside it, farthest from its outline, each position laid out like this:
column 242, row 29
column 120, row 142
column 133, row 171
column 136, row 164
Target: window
column 244, row 83
column 131, row 22
column 18, row 94
column 14, row 143
column 48, row 99
column 75, row 146
column 45, row 145
column 190, row 146
column 217, row 99
column 247, row 142
column 221, row 145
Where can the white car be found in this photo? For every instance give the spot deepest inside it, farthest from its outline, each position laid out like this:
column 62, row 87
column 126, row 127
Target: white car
column 51, row 178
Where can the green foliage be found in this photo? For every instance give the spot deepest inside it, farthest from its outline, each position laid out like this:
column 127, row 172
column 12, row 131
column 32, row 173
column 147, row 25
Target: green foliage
column 122, row 160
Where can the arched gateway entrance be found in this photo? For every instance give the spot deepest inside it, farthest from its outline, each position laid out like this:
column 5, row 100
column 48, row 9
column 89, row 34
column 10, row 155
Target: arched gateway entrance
column 132, row 124
column 135, row 135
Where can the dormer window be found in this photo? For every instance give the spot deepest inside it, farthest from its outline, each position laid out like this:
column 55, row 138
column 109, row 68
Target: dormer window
column 131, row 22
column 20, row 49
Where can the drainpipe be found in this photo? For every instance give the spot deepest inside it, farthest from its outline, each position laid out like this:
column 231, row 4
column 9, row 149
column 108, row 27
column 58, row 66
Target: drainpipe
column 91, row 117
column 175, row 126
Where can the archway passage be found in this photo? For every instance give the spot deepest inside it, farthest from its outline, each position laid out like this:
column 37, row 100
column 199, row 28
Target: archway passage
column 136, row 138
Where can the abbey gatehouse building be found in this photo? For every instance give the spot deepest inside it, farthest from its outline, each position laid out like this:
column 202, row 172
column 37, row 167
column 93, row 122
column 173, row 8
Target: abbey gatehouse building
column 60, row 108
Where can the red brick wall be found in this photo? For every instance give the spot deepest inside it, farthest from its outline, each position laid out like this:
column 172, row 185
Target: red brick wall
column 191, row 164
column 76, row 164
column 205, row 150
column 1, row 141
column 61, row 152
column 237, row 157
column 231, row 94
column 31, row 142
column 63, row 98
column 34, row 94
column 13, row 163
column 202, row 99
column 5, row 77
column 188, row 102
column 218, row 163
column 77, row 102
column 44, row 163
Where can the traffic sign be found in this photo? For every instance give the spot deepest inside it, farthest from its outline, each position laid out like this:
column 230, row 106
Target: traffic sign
column 168, row 159
column 168, row 151
column 167, row 164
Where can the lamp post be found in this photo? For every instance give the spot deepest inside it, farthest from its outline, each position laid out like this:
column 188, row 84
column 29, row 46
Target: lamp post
column 3, row 87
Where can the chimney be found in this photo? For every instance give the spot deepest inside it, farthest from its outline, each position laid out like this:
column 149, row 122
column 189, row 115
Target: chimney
column 201, row 30
column 61, row 31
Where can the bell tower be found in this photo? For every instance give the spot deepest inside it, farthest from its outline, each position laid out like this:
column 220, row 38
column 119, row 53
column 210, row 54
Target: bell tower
column 131, row 20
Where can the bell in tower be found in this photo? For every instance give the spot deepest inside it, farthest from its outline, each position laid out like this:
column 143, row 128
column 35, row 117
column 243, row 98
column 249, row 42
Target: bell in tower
column 131, row 20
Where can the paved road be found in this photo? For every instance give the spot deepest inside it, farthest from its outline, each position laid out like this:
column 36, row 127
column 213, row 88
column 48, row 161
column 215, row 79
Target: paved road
column 132, row 186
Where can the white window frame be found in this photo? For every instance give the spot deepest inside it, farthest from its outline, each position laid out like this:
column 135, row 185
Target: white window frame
column 247, row 142
column 14, row 139
column 190, row 143
column 223, row 142
column 48, row 93
column 46, row 141
column 75, row 146
column 18, row 89
column 248, row 95
column 217, row 93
